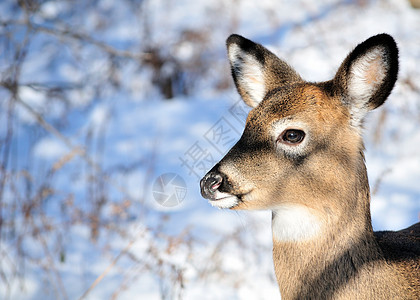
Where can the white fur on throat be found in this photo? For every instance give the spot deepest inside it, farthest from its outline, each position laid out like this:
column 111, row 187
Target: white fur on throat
column 251, row 77
column 366, row 75
column 294, row 223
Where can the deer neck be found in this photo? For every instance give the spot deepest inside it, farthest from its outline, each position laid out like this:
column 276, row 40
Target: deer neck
column 316, row 255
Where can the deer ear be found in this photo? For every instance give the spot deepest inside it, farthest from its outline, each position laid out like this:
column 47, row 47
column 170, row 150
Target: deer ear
column 367, row 76
column 256, row 70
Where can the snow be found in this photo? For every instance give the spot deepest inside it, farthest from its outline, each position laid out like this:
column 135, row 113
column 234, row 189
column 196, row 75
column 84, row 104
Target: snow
column 132, row 135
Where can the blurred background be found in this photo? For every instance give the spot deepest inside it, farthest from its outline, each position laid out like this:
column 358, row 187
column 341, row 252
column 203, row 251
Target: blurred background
column 111, row 111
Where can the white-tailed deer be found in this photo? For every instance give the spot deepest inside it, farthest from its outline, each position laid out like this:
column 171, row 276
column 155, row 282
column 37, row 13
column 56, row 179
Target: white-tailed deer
column 301, row 156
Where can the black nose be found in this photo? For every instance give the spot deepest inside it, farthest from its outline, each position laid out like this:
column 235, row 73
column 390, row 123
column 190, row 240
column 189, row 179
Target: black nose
column 210, row 184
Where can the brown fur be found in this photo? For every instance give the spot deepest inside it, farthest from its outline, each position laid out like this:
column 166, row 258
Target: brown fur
column 326, row 176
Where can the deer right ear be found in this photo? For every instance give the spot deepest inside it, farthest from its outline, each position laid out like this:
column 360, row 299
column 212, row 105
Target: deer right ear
column 256, row 70
column 367, row 76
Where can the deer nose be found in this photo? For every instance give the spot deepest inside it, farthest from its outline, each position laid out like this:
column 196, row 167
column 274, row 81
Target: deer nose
column 210, row 184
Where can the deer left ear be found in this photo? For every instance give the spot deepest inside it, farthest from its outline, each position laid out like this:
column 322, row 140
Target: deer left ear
column 256, row 70
column 367, row 76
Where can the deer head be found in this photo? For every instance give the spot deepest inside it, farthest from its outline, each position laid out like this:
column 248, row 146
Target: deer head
column 302, row 148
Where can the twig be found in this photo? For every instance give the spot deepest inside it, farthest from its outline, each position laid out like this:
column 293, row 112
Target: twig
column 74, row 149
column 111, row 265
column 66, row 31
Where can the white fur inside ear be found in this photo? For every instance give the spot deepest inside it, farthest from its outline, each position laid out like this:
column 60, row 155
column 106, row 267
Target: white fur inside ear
column 366, row 76
column 251, row 77
column 294, row 223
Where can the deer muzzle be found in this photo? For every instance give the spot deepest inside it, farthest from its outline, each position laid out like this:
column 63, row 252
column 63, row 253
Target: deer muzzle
column 210, row 184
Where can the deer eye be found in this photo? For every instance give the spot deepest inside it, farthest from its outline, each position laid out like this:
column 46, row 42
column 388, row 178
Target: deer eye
column 292, row 136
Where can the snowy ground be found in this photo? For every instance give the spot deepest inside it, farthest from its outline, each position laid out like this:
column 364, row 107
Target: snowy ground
column 131, row 136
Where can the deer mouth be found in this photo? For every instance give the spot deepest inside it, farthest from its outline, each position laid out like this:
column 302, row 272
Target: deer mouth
column 226, row 200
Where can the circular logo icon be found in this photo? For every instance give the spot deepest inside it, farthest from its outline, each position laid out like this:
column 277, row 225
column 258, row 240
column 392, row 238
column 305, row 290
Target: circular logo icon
column 169, row 189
